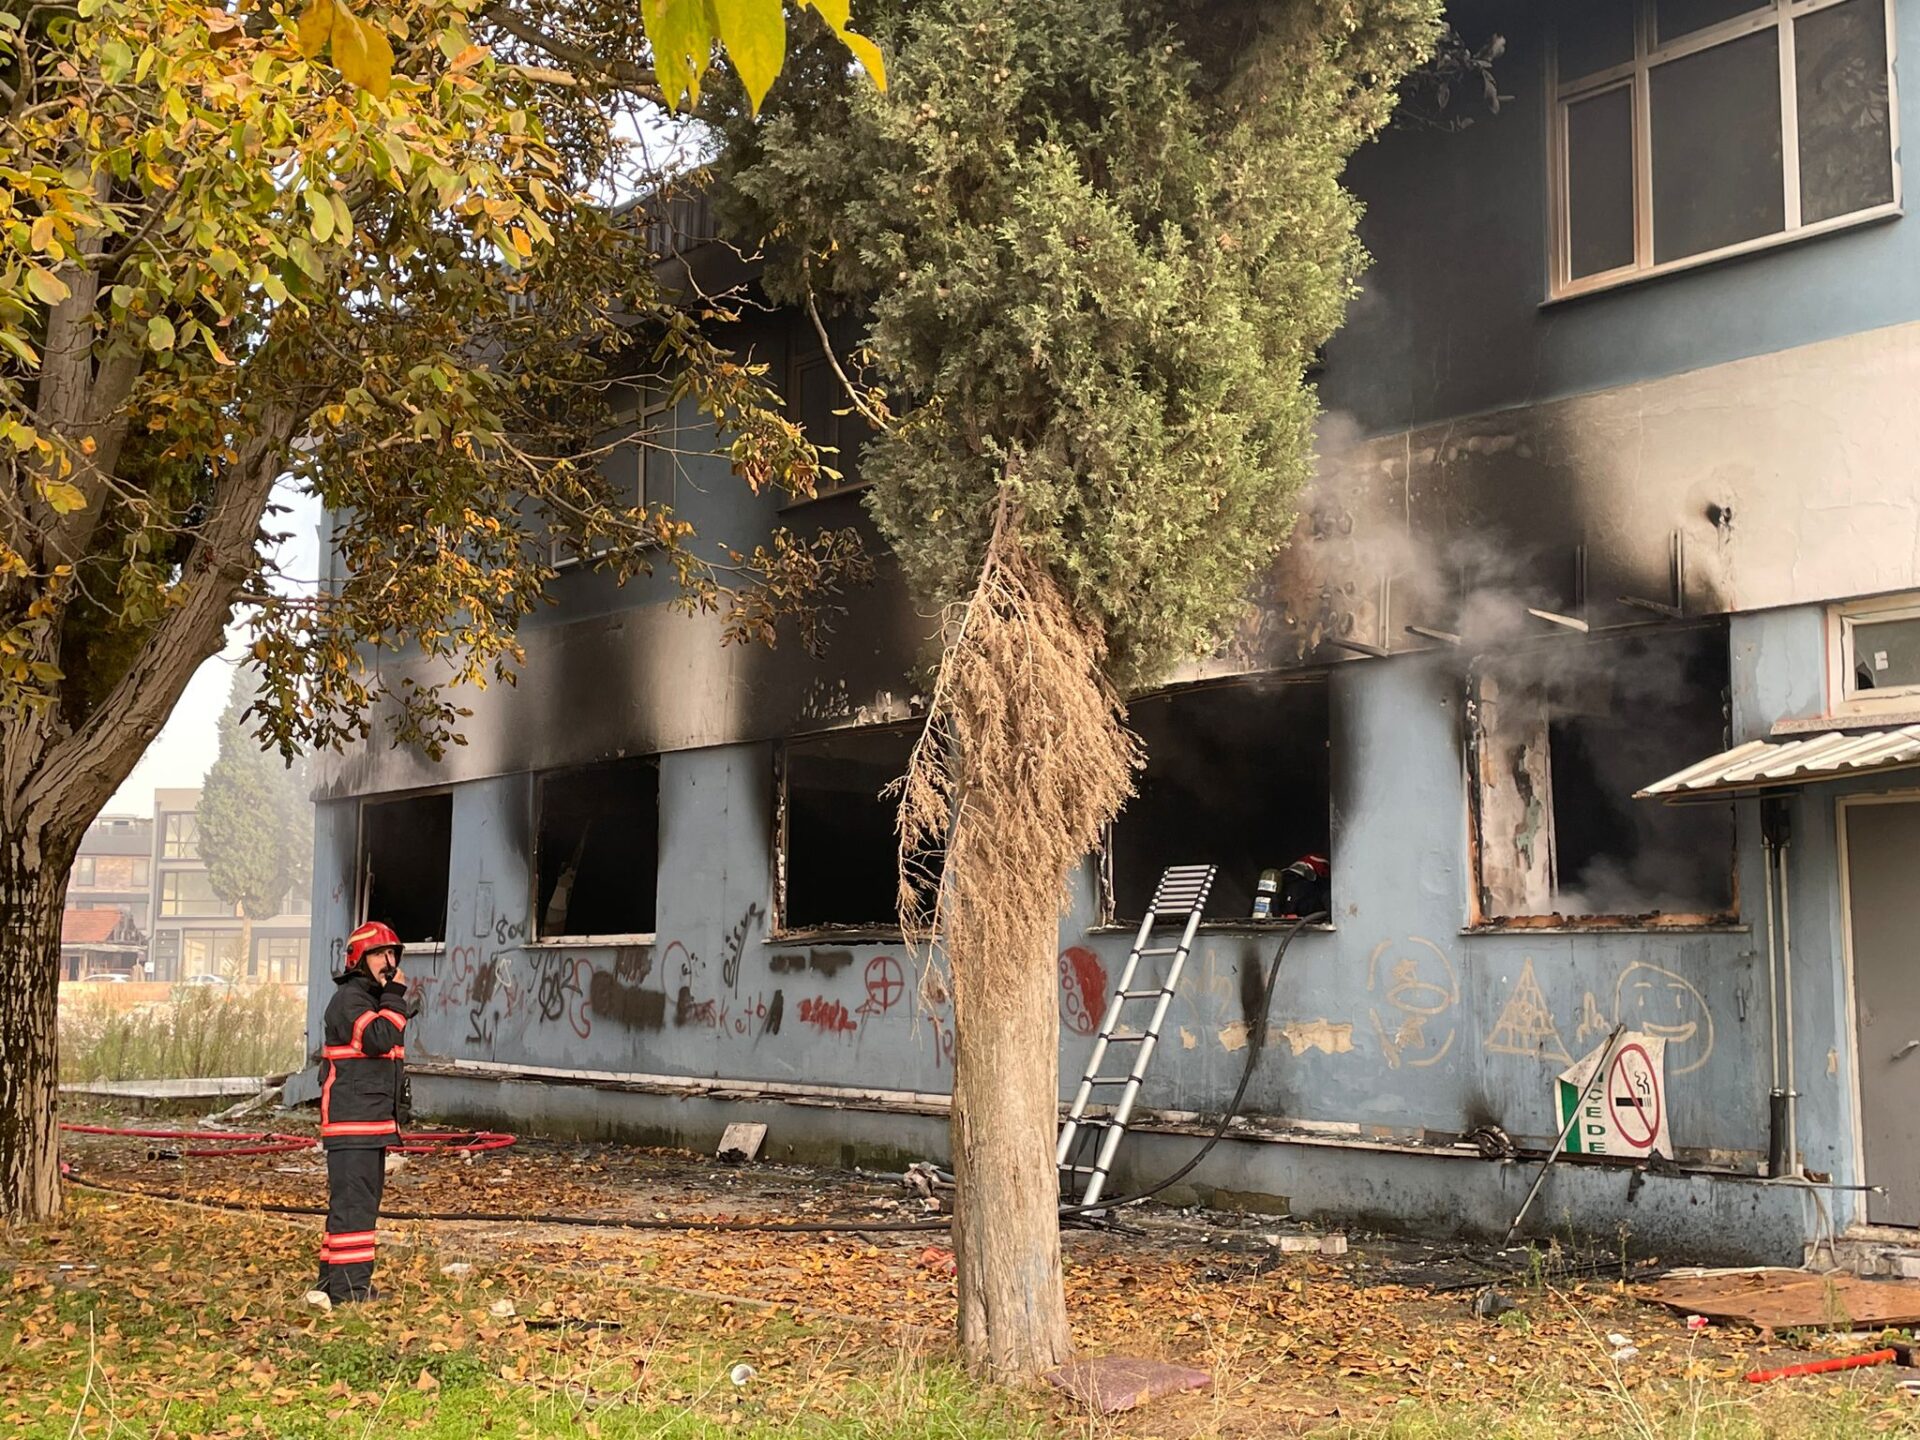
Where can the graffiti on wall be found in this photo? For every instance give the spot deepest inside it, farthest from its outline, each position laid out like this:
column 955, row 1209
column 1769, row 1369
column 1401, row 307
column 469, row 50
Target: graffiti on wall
column 1413, row 994
column 1083, row 990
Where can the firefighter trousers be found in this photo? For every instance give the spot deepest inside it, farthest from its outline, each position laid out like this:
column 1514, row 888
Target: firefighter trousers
column 355, row 1179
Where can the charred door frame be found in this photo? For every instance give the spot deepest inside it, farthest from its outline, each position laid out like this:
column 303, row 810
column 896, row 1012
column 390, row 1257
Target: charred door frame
column 1480, row 918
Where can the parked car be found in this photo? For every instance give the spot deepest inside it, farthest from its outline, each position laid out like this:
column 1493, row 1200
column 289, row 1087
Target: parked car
column 204, row 979
column 106, row 977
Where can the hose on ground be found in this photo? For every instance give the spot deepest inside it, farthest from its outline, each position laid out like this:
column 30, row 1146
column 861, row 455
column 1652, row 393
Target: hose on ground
column 485, row 1140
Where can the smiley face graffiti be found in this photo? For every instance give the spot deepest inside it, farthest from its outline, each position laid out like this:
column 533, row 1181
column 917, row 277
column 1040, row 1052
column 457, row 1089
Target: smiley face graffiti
column 1670, row 1007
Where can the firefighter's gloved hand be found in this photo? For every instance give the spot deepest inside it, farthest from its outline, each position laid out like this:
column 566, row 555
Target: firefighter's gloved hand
column 403, row 1102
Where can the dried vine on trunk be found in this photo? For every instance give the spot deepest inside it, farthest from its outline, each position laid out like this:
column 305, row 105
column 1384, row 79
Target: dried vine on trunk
column 1024, row 759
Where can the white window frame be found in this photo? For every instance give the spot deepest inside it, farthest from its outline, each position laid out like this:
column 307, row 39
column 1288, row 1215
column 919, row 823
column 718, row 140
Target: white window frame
column 1635, row 75
column 1843, row 621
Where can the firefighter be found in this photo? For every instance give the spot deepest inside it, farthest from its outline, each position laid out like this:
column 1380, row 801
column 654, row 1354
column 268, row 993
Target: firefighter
column 362, row 1081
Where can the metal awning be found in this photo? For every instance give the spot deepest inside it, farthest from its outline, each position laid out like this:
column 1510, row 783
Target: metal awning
column 1764, row 765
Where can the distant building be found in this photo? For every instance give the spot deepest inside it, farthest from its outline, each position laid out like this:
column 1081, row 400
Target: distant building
column 109, row 898
column 195, row 932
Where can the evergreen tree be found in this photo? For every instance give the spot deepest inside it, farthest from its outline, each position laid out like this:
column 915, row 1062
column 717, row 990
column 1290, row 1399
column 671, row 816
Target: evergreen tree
column 256, row 826
column 1095, row 244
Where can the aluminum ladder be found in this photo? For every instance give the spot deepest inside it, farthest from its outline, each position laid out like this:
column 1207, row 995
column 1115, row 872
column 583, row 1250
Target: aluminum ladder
column 1180, row 898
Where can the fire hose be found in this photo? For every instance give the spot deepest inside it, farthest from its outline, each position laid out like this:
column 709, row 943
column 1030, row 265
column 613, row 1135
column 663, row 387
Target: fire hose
column 433, row 1142
column 267, row 1142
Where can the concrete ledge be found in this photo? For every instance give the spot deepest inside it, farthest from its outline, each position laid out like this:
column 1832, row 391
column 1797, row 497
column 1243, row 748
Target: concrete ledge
column 1443, row 1194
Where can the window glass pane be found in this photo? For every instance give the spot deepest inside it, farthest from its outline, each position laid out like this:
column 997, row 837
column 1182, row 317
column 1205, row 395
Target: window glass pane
column 1846, row 153
column 1600, row 182
column 1886, row 653
column 662, row 460
column 1594, row 35
column 1683, row 17
column 1716, row 147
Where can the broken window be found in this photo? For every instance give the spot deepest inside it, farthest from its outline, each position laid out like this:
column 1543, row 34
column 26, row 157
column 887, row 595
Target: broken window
column 597, row 857
column 838, row 842
column 1236, row 776
column 404, row 849
column 1563, row 735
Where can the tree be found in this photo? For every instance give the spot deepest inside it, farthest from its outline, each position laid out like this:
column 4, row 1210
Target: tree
column 355, row 256
column 256, row 825
column 1094, row 244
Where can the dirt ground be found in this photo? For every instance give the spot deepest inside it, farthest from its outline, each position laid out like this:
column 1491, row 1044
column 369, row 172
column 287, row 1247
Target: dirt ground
column 1294, row 1341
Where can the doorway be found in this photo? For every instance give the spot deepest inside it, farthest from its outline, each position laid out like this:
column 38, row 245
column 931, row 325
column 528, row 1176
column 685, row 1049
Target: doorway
column 1881, row 840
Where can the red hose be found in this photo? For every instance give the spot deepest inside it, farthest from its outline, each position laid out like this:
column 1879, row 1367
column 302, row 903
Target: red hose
column 266, row 1142
column 1823, row 1367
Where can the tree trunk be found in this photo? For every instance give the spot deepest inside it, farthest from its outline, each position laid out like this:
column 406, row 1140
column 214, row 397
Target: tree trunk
column 33, row 886
column 1006, row 1118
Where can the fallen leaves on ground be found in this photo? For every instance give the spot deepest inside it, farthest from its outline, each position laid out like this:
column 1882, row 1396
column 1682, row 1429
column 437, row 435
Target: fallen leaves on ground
column 1293, row 1342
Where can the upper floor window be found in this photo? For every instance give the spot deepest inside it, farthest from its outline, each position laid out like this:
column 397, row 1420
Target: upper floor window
column 641, row 465
column 180, row 836
column 1684, row 130
column 1875, row 650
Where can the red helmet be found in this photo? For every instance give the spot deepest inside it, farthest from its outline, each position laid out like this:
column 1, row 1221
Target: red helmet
column 368, row 938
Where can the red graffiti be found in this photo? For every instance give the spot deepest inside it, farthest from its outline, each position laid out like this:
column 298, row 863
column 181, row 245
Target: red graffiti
column 885, row 985
column 828, row 1015
column 942, row 1041
column 1083, row 990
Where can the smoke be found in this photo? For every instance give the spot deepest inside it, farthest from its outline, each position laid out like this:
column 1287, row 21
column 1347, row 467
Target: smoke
column 1614, row 710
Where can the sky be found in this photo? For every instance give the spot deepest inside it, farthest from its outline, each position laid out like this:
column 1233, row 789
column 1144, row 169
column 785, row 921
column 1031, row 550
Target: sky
column 180, row 754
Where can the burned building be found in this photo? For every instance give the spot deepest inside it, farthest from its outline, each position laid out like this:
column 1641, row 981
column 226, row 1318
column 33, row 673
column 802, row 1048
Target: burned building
column 1617, row 507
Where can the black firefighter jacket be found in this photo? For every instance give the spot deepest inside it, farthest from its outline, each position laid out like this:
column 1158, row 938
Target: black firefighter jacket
column 362, row 1063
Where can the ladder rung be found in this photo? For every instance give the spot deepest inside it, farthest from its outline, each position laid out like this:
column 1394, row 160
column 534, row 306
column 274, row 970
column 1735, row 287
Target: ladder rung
column 1164, row 950
column 1108, row 1079
column 1104, row 1122
column 1125, row 1039
column 1145, row 994
column 1082, row 1169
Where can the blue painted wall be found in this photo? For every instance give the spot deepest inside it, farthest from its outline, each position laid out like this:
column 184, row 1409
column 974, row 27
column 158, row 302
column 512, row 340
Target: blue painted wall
column 1392, row 1024
column 1450, row 320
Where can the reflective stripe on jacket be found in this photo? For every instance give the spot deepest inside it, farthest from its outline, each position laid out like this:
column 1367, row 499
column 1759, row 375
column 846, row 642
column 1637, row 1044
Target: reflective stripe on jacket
column 362, row 1059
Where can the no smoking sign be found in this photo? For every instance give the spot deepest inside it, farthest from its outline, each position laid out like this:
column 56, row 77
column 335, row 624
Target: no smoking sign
column 1623, row 1112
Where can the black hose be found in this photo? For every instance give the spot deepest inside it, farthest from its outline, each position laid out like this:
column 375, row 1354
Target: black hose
column 597, row 1222
column 1256, row 1042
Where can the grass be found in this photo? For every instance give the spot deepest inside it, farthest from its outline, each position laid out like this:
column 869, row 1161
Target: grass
column 194, row 1326
column 202, row 1031
column 135, row 1320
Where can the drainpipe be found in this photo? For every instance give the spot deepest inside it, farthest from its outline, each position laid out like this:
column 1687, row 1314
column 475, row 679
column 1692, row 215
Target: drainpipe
column 1783, row 1149
column 1772, row 821
column 1786, row 987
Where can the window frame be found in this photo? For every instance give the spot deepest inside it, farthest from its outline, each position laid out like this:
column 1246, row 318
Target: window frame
column 169, row 905
column 183, row 846
column 363, row 880
column 1842, row 620
column 644, row 421
column 781, row 930
column 83, row 873
column 1636, row 75
column 1484, row 915
column 537, row 934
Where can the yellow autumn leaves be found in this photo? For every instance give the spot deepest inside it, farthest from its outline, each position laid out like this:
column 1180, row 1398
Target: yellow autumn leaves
column 360, row 51
column 681, row 33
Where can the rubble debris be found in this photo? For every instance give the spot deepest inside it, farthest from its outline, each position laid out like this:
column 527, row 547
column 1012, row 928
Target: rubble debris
column 1771, row 1300
column 740, row 1143
column 1111, row 1384
column 1493, row 1302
